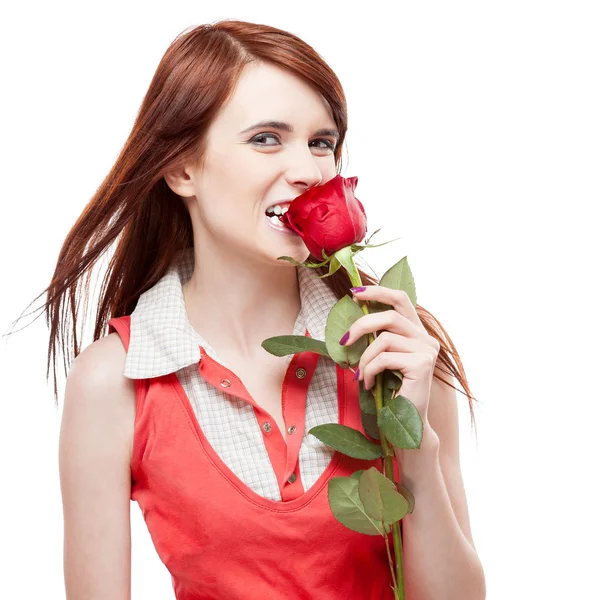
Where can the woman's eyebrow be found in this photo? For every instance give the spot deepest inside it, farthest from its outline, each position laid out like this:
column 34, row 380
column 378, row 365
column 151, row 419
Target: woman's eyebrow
column 289, row 128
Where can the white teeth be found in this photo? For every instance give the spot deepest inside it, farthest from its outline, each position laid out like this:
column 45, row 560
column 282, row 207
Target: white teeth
column 278, row 210
column 276, row 221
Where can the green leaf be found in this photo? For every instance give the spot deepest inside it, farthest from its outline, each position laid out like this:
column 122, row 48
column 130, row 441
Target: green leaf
column 280, row 345
column 366, row 242
column 334, row 265
column 387, row 395
column 396, row 373
column 344, row 256
column 341, row 317
column 366, row 400
column 401, row 423
column 392, row 378
column 377, row 307
column 399, row 277
column 348, row 509
column 289, row 259
column 383, row 244
column 391, row 383
column 369, row 423
column 408, row 495
column 379, row 497
column 356, row 475
column 347, row 440
column 310, row 265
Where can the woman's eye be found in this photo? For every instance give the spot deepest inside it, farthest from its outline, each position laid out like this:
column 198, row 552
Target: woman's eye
column 255, row 139
column 262, row 135
column 328, row 144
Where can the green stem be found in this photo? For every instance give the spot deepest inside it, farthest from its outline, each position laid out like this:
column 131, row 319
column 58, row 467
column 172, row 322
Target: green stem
column 387, row 547
column 388, row 456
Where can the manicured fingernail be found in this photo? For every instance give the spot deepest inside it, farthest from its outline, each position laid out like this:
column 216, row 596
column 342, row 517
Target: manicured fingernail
column 356, row 375
column 345, row 338
column 358, row 289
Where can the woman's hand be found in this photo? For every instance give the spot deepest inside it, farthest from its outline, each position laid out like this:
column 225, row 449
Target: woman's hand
column 403, row 344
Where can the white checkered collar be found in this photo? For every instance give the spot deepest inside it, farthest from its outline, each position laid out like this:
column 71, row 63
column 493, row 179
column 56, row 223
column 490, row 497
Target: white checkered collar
column 162, row 340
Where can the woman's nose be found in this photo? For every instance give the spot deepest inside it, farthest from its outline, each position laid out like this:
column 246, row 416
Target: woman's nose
column 304, row 170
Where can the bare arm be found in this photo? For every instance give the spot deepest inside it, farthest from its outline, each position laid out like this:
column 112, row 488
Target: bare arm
column 94, row 462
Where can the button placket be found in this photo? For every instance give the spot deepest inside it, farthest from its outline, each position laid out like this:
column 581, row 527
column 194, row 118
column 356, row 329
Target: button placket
column 295, row 414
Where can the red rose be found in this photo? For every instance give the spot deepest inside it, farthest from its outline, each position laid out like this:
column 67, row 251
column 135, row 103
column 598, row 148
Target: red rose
column 328, row 217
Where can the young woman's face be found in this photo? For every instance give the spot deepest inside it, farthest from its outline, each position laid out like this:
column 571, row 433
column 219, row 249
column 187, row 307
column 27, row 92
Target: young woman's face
column 250, row 167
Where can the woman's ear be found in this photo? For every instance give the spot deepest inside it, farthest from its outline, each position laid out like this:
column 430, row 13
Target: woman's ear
column 181, row 182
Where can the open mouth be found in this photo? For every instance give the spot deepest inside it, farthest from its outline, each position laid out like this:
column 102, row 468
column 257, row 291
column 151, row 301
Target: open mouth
column 275, row 212
column 275, row 221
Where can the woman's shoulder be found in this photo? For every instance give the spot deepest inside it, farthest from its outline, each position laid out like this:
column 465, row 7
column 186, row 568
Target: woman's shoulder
column 97, row 388
column 95, row 469
column 103, row 362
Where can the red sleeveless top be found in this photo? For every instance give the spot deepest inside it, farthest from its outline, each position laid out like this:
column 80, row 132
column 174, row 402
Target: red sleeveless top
column 217, row 537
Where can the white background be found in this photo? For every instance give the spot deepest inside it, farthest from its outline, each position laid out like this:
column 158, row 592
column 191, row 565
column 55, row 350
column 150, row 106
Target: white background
column 474, row 128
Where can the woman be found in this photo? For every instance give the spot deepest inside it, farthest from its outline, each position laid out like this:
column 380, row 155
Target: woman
column 179, row 407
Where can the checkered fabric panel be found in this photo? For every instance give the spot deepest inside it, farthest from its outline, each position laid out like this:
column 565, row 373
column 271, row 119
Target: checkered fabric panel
column 164, row 341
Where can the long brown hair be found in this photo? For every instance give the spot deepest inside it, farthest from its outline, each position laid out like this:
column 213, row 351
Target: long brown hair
column 135, row 207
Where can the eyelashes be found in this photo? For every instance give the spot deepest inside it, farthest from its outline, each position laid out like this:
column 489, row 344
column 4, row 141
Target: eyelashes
column 252, row 140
